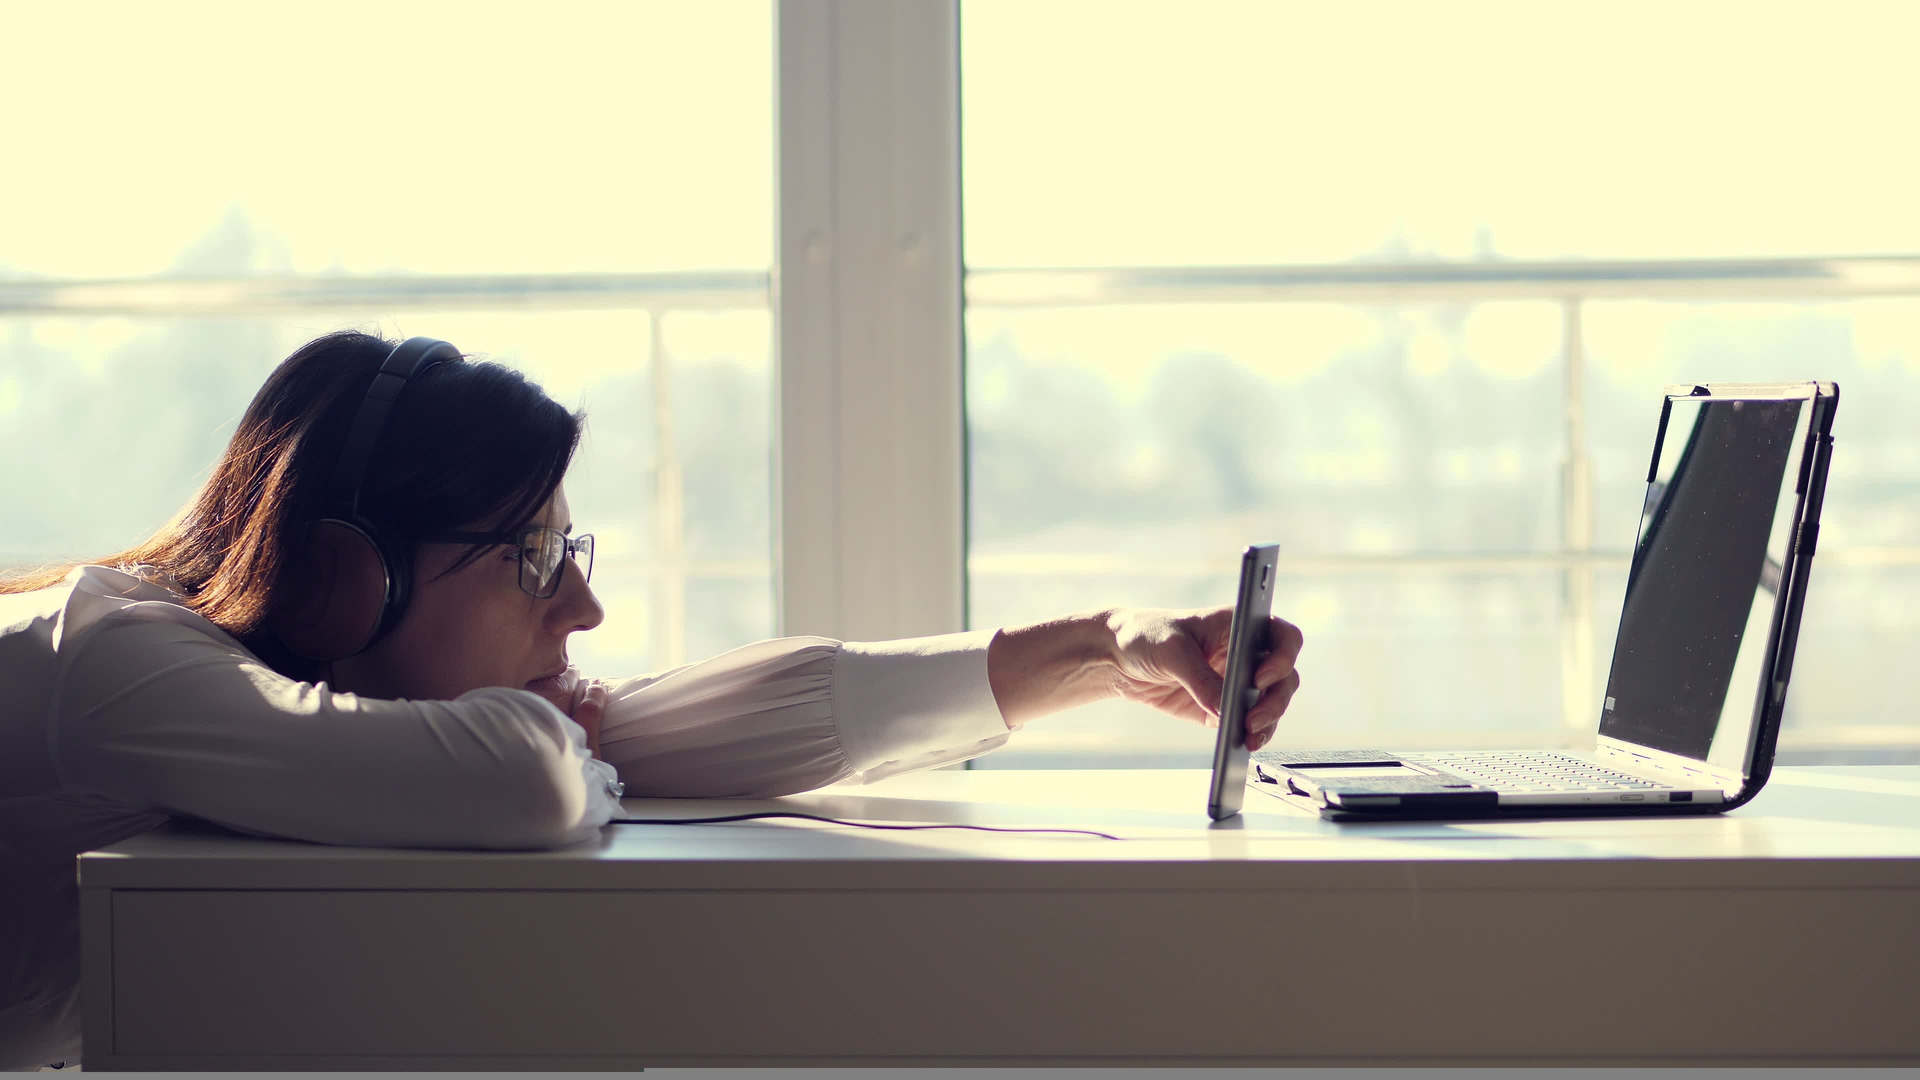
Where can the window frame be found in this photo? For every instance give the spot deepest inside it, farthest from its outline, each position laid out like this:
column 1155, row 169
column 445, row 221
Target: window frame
column 869, row 433
column 867, row 294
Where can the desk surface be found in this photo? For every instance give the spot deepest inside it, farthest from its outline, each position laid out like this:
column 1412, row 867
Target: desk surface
column 1782, row 932
column 1868, row 816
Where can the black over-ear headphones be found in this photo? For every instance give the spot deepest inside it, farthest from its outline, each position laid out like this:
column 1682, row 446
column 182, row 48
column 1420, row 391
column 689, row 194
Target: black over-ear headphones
column 348, row 582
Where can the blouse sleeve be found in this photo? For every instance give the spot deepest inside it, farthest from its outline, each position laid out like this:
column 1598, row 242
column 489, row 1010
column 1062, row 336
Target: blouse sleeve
column 160, row 713
column 795, row 714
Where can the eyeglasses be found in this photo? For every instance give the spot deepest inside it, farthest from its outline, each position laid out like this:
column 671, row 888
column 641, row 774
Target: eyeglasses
column 543, row 554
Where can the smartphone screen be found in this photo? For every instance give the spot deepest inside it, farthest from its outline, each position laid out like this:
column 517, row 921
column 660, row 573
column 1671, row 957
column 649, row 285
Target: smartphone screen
column 1246, row 646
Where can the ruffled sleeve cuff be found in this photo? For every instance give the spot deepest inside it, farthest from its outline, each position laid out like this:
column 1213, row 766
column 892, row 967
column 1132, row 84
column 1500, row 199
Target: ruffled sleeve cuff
column 915, row 703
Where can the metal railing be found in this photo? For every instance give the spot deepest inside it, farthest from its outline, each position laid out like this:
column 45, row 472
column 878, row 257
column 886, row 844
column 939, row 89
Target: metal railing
column 1570, row 284
column 395, row 292
column 1453, row 282
column 657, row 294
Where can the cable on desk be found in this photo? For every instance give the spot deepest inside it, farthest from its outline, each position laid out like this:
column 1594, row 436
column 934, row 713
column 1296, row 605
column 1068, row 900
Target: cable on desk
column 838, row 821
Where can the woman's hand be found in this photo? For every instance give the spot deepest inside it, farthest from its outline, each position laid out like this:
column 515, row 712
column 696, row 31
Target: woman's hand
column 1172, row 660
column 583, row 700
column 1176, row 661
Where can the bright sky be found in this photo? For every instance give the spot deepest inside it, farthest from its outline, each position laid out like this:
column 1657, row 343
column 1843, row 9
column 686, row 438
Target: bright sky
column 444, row 137
column 1254, row 131
column 622, row 136
column 366, row 136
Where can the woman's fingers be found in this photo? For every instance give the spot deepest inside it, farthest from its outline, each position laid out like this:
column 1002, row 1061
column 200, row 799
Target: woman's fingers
column 1264, row 718
column 584, row 701
column 1175, row 661
column 1189, row 667
column 590, row 710
column 1284, row 641
column 579, row 694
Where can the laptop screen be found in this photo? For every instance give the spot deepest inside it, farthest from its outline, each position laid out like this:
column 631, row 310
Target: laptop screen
column 1693, row 646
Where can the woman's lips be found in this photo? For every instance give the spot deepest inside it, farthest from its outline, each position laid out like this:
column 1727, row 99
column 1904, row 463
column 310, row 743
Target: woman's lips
column 553, row 683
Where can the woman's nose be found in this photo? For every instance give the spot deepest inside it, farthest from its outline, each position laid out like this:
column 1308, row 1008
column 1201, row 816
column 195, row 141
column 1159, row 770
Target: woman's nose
column 574, row 605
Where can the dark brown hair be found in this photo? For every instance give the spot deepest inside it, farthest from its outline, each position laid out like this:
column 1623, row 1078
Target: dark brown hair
column 466, row 443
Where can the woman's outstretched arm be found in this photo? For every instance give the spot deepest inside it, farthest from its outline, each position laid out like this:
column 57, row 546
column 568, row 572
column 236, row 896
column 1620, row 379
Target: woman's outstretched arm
column 793, row 714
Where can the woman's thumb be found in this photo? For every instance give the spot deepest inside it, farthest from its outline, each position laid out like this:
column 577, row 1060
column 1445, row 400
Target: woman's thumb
column 1192, row 671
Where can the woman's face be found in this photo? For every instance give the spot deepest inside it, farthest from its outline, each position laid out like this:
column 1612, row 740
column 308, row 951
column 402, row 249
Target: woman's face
column 475, row 627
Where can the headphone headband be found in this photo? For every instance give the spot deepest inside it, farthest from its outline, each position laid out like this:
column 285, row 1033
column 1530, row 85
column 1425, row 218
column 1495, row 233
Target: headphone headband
column 408, row 361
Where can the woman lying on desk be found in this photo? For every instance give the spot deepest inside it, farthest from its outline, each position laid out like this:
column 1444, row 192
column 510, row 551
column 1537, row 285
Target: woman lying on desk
column 356, row 633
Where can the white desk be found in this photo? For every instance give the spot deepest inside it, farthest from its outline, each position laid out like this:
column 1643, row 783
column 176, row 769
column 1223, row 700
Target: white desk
column 1788, row 931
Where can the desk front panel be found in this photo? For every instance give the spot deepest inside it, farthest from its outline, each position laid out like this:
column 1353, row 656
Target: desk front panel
column 604, row 979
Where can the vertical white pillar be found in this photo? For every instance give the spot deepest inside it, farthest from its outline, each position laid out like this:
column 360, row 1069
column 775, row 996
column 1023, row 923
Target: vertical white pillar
column 870, row 498
column 1579, row 689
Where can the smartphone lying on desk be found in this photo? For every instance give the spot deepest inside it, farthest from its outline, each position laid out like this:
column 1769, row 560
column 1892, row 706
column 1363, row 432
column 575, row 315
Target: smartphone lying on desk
column 1246, row 647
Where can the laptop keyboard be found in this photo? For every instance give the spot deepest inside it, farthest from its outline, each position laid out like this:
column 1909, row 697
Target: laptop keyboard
column 1533, row 770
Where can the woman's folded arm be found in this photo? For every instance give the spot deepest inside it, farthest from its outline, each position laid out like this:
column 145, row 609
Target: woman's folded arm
column 160, row 713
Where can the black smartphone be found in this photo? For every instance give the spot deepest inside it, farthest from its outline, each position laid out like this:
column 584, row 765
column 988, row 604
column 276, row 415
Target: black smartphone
column 1246, row 647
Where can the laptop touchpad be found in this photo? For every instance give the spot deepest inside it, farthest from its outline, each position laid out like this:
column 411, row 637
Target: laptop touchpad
column 1383, row 771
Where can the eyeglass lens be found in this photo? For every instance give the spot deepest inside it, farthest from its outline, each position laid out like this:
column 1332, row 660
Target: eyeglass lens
column 542, row 555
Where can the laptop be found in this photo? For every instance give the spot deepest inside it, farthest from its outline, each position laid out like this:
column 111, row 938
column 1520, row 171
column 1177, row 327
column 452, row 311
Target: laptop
column 1698, row 679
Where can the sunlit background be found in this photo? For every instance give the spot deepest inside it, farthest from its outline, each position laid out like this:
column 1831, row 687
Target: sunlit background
column 1173, row 344
column 606, row 168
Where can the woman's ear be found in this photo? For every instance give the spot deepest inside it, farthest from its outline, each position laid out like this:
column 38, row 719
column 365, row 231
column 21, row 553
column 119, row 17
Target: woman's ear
column 331, row 594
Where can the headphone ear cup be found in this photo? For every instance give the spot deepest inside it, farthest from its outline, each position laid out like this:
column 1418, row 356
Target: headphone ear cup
column 399, row 580
column 333, row 593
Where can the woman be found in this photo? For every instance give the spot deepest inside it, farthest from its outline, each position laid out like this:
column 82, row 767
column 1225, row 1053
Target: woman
column 187, row 676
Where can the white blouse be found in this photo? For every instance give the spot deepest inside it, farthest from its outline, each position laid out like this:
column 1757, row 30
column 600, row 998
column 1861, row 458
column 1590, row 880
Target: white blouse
column 119, row 706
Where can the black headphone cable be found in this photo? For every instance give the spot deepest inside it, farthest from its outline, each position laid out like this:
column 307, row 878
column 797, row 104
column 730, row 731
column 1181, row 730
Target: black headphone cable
column 838, row 821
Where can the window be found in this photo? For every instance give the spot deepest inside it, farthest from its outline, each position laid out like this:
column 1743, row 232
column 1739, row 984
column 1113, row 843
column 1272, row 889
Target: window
column 1399, row 286
column 1396, row 285
column 586, row 195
